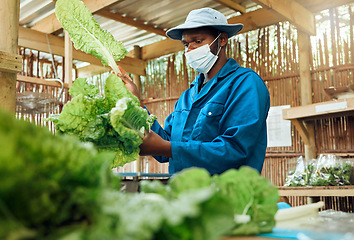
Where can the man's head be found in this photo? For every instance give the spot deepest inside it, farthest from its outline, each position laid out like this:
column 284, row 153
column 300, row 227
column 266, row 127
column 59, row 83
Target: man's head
column 205, row 34
column 205, row 17
column 195, row 38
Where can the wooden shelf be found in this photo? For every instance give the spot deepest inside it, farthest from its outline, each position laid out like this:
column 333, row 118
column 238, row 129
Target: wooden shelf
column 325, row 191
column 338, row 107
column 300, row 115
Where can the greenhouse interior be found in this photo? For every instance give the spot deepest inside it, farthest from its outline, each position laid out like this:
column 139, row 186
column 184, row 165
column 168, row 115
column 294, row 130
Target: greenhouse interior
column 177, row 120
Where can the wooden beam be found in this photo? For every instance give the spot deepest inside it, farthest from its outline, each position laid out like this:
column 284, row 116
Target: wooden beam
column 306, row 89
column 131, row 22
column 161, row 48
column 232, row 5
column 295, row 13
column 36, row 40
column 256, row 19
column 315, row 6
column 302, row 129
column 51, row 24
column 9, row 23
column 91, row 70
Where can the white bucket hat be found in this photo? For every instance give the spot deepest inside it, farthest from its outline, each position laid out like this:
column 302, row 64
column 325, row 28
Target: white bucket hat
column 205, row 17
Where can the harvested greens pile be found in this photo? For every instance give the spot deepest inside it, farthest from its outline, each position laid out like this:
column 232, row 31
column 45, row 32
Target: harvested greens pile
column 57, row 187
column 115, row 121
column 326, row 170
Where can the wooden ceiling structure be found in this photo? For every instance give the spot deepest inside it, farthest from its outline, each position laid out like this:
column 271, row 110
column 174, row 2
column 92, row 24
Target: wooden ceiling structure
column 300, row 13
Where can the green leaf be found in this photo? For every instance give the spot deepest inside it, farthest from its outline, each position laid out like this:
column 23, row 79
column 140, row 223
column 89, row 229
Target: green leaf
column 80, row 86
column 115, row 89
column 82, row 117
column 86, row 33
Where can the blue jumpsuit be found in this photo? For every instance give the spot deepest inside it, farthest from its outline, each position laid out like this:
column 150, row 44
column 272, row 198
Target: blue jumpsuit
column 221, row 127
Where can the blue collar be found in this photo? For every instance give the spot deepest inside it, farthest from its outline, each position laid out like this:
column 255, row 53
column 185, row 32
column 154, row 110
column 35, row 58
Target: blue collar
column 230, row 67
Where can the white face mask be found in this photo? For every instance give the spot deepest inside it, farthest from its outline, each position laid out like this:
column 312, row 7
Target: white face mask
column 202, row 59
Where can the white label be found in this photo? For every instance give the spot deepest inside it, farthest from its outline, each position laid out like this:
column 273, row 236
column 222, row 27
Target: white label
column 331, row 107
column 278, row 129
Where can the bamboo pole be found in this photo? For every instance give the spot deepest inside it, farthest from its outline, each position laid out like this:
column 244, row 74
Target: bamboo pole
column 136, row 77
column 8, row 43
column 68, row 61
column 137, row 81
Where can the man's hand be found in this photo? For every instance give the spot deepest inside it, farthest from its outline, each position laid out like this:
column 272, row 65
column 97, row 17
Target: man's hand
column 128, row 82
column 153, row 144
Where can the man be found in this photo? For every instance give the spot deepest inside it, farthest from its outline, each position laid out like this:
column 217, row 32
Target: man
column 218, row 123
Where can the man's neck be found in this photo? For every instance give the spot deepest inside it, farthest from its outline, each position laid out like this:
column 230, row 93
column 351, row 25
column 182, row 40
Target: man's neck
column 216, row 68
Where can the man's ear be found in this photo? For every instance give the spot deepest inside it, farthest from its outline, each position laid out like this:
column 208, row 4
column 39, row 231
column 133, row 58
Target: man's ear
column 223, row 39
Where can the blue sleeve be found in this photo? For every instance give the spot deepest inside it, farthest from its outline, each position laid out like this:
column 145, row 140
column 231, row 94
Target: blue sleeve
column 165, row 133
column 242, row 139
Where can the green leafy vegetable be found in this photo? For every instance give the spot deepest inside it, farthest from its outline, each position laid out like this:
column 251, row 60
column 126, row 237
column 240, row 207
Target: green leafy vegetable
column 326, row 170
column 56, row 187
column 115, row 89
column 93, row 117
column 86, row 33
column 47, row 182
column 109, row 127
column 249, row 199
column 81, row 87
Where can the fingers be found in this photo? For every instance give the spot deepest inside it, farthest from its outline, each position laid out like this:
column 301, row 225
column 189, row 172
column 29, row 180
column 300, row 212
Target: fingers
column 122, row 70
column 123, row 75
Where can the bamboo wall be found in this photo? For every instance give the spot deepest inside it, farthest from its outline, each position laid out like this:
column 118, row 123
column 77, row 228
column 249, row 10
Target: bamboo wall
column 33, row 65
column 272, row 53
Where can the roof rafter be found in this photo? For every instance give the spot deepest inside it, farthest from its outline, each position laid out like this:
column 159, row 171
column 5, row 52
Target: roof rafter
column 129, row 21
column 320, row 5
column 295, row 13
column 51, row 24
column 232, row 5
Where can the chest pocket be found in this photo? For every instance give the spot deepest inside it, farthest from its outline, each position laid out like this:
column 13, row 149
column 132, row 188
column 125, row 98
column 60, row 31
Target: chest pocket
column 207, row 124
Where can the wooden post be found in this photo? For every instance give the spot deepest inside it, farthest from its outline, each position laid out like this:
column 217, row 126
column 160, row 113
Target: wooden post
column 9, row 15
column 136, row 77
column 137, row 81
column 68, row 65
column 306, row 88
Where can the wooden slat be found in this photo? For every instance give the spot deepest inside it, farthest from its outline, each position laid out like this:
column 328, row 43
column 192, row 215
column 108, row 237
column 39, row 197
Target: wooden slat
column 51, row 24
column 343, row 191
column 293, row 12
column 41, row 81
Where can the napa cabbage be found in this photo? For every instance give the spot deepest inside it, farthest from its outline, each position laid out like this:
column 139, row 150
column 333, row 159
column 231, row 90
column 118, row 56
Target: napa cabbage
column 114, row 120
column 86, row 33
